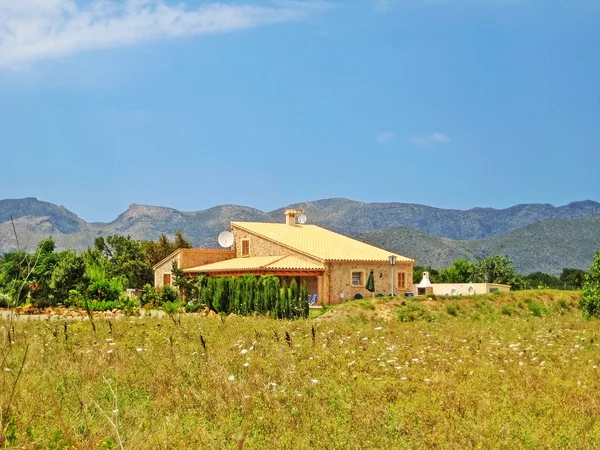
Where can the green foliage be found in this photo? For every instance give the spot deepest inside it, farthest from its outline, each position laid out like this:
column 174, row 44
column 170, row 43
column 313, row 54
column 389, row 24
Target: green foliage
column 495, row 269
column 168, row 294
column 104, row 291
column 535, row 308
column 461, row 271
column 590, row 293
column 507, row 310
column 573, row 278
column 187, row 286
column 156, row 251
column 453, row 309
column 151, row 295
column 123, row 256
column 68, row 275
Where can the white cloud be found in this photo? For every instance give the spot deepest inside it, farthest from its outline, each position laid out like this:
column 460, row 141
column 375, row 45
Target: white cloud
column 385, row 137
column 430, row 140
column 32, row 30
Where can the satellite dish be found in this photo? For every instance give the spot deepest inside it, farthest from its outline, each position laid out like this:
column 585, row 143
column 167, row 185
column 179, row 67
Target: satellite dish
column 302, row 218
column 226, row 239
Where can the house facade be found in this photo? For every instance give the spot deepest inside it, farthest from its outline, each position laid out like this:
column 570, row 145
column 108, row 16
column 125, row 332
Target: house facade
column 334, row 266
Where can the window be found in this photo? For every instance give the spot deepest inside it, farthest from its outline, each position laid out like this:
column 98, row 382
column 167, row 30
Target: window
column 358, row 278
column 167, row 279
column 401, row 280
column 245, row 247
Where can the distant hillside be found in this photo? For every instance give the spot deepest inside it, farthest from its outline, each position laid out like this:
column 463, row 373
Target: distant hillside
column 547, row 246
column 440, row 229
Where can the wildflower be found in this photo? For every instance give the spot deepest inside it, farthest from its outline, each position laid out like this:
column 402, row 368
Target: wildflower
column 378, row 328
column 139, row 349
column 109, row 351
column 352, row 363
column 314, row 381
column 243, row 351
column 246, row 364
column 231, row 378
column 115, row 411
column 427, row 380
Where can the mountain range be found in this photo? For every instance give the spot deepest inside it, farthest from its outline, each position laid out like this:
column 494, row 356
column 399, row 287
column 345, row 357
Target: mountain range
column 535, row 236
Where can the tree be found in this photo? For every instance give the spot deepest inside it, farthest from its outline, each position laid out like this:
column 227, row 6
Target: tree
column 125, row 257
column 461, row 271
column 590, row 293
column 572, row 278
column 68, row 274
column 495, row 269
column 163, row 247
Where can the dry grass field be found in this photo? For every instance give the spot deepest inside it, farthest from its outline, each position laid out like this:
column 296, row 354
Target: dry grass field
column 516, row 370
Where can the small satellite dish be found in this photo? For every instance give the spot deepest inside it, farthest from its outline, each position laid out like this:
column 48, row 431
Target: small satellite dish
column 226, row 239
column 302, row 218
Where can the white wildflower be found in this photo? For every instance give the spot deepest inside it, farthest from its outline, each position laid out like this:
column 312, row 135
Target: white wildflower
column 231, row 378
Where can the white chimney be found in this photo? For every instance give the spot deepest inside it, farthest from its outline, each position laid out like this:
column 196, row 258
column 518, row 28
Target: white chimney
column 425, row 283
column 290, row 216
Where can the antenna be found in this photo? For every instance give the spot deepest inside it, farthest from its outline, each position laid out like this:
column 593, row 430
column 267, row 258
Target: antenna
column 226, row 239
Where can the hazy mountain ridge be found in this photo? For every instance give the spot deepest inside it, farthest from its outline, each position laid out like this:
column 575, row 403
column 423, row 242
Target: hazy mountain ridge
column 547, row 246
column 432, row 235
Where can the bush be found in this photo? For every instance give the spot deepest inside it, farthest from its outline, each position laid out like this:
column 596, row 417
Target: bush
column 75, row 299
column 151, row 295
column 453, row 310
column 536, row 308
column 590, row 294
column 507, row 310
column 168, row 294
column 104, row 291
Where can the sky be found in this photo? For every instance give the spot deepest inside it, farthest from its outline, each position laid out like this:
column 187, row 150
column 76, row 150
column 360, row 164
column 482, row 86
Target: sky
column 191, row 104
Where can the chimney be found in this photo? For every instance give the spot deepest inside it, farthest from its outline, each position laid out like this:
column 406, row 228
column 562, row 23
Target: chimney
column 290, row 216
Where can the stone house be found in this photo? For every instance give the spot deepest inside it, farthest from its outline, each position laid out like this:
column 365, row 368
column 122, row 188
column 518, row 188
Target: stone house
column 335, row 267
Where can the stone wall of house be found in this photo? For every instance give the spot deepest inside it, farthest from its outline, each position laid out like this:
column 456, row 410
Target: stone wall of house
column 340, row 287
column 263, row 247
column 194, row 257
column 165, row 267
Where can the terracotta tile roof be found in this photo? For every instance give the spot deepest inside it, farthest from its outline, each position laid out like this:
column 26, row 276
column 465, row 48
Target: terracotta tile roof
column 280, row 262
column 186, row 250
column 318, row 242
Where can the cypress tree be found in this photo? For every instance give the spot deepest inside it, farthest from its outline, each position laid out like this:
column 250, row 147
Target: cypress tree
column 295, row 300
column 303, row 298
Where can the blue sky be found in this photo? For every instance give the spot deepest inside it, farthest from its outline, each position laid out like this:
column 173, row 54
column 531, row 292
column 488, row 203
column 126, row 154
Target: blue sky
column 454, row 104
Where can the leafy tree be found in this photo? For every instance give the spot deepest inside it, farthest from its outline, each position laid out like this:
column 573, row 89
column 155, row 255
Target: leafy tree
column 495, row 269
column 68, row 274
column 187, row 286
column 541, row 280
column 158, row 250
column 461, row 271
column 125, row 257
column 590, row 293
column 572, row 278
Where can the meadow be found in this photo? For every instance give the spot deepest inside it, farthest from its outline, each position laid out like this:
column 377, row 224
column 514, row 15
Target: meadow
column 516, row 370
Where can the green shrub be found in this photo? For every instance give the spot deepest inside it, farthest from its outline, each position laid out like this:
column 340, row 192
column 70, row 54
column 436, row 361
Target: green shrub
column 75, row 299
column 104, row 291
column 484, row 307
column 507, row 310
column 413, row 312
column 536, row 308
column 151, row 295
column 453, row 309
column 172, row 308
column 168, row 294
